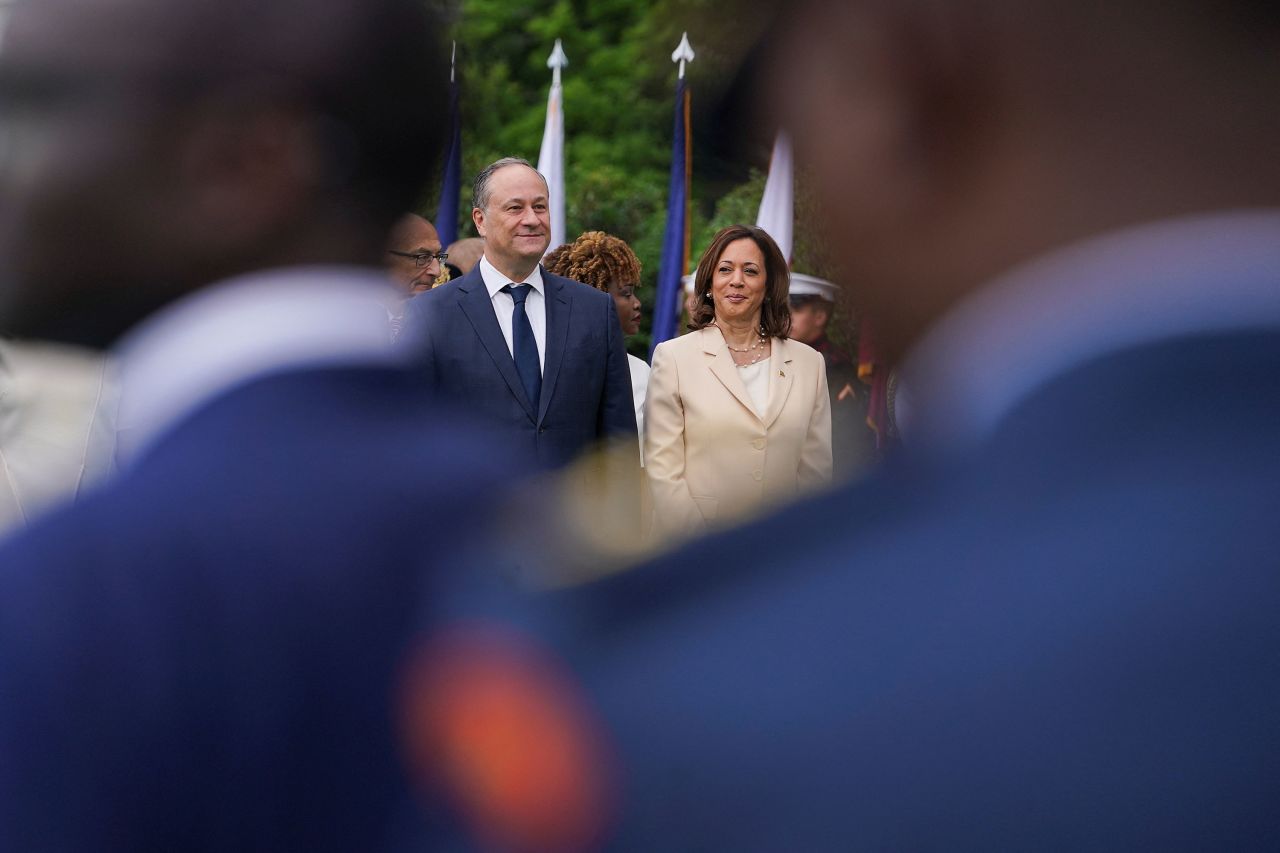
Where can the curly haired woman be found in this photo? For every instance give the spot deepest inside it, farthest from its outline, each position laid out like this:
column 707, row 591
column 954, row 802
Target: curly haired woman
column 607, row 263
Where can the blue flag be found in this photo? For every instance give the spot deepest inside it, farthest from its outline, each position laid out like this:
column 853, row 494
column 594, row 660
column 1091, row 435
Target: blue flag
column 668, row 304
column 451, row 191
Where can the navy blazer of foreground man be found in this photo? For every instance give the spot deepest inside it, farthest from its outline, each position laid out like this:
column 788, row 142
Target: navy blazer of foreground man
column 586, row 384
column 202, row 655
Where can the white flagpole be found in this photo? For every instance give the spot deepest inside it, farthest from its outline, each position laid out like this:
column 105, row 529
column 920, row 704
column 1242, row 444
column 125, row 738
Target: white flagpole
column 551, row 156
column 683, row 53
column 777, row 207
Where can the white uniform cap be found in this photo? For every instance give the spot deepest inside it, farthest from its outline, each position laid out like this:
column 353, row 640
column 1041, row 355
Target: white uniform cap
column 809, row 285
column 688, row 283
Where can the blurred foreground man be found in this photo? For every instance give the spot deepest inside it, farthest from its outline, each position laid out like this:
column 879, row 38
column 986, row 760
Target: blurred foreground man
column 1055, row 627
column 202, row 655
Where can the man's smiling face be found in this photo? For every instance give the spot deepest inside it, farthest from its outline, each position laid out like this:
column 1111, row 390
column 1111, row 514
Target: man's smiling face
column 516, row 222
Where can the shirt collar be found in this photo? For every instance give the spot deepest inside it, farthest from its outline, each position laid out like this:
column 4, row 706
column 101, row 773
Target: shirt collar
column 243, row 328
column 494, row 281
column 1202, row 274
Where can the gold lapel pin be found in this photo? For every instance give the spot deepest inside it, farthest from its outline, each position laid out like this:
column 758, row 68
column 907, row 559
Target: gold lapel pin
column 783, row 375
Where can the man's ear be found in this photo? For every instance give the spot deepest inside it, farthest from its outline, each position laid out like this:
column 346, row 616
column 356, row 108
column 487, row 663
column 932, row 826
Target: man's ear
column 477, row 216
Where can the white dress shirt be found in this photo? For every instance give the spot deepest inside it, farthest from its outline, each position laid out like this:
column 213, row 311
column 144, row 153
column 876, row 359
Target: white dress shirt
column 1210, row 273
column 224, row 335
column 639, row 388
column 504, row 306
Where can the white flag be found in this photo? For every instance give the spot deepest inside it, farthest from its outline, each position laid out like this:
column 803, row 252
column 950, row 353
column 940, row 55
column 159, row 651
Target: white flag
column 777, row 208
column 551, row 157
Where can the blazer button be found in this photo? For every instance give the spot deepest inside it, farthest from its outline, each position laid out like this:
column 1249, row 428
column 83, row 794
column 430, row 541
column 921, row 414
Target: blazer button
column 541, row 430
column 759, row 475
column 758, row 444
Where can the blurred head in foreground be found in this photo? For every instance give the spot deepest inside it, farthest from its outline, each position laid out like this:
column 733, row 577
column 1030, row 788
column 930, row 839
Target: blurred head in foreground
column 606, row 263
column 414, row 256
column 465, row 253
column 219, row 138
column 956, row 140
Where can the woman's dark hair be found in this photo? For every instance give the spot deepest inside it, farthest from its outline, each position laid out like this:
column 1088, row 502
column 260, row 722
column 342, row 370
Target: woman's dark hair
column 597, row 259
column 775, row 313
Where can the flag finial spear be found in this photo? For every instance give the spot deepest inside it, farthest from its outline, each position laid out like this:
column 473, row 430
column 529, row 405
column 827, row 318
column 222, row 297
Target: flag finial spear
column 557, row 61
column 683, row 53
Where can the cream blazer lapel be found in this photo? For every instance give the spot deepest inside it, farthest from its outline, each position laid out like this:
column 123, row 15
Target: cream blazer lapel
column 781, row 377
column 720, row 363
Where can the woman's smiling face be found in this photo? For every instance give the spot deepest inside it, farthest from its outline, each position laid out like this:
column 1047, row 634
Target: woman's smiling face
column 739, row 281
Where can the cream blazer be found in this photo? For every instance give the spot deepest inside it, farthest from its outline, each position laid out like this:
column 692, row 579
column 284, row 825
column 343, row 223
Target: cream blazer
column 710, row 460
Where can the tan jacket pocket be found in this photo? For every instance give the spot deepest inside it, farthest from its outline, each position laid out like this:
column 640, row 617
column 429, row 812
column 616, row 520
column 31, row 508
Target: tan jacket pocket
column 708, row 507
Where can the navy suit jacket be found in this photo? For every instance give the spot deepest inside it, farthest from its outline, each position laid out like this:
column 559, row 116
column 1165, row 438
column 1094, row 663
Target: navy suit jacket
column 203, row 655
column 1065, row 640
column 586, row 384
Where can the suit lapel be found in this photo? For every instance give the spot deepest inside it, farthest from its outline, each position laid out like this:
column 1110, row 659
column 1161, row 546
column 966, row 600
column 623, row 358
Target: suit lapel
column 558, row 308
column 723, row 368
column 475, row 303
column 781, row 377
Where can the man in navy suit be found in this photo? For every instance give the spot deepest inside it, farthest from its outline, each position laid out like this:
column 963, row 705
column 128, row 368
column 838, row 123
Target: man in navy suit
column 536, row 356
column 1052, row 624
column 203, row 654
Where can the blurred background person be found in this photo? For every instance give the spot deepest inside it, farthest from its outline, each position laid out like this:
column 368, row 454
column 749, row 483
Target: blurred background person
column 416, row 259
column 690, row 296
column 57, row 427
column 537, row 357
column 416, row 263
column 738, row 416
column 464, row 254
column 607, row 263
column 202, row 654
column 813, row 301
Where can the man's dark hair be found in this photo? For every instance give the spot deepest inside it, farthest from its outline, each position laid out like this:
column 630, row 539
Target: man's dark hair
column 380, row 90
column 371, row 70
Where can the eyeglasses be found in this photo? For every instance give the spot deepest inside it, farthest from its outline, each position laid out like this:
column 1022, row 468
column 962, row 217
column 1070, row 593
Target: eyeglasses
column 422, row 258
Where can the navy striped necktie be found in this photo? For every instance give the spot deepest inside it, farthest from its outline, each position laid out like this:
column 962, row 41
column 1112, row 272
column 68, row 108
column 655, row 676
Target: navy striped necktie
column 524, row 349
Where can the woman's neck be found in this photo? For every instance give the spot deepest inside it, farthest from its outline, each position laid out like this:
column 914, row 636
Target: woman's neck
column 740, row 333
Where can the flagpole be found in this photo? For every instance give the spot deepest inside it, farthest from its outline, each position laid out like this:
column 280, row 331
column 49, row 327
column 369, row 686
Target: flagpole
column 551, row 155
column 668, row 302
column 451, row 186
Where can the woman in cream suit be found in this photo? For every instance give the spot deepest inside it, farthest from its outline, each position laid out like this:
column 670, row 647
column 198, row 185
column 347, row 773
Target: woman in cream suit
column 737, row 415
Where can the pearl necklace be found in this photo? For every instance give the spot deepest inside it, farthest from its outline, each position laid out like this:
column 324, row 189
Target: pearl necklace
column 757, row 347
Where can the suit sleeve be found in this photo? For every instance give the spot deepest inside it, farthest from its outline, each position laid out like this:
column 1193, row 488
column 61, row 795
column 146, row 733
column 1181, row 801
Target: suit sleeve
column 815, row 454
column 415, row 338
column 674, row 510
column 617, row 408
